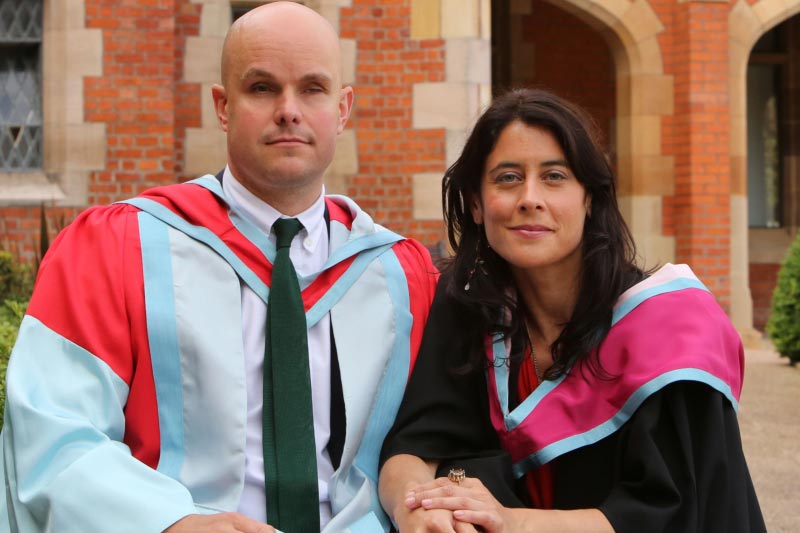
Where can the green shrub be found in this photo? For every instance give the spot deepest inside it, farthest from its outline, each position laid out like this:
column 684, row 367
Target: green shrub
column 16, row 285
column 783, row 326
column 16, row 279
column 11, row 313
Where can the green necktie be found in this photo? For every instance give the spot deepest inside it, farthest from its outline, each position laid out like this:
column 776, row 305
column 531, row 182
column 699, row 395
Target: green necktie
column 290, row 459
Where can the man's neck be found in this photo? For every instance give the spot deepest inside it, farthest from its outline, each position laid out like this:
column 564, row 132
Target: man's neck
column 291, row 202
column 288, row 201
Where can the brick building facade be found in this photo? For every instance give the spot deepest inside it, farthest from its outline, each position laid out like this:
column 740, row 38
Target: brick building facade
column 126, row 105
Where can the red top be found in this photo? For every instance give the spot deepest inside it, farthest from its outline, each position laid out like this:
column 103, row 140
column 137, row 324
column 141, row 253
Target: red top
column 539, row 481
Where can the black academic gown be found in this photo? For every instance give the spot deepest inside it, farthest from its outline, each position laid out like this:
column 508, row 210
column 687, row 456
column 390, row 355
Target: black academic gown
column 676, row 466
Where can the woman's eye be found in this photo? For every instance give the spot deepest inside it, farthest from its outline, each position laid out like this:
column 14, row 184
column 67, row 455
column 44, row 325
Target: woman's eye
column 554, row 176
column 506, row 178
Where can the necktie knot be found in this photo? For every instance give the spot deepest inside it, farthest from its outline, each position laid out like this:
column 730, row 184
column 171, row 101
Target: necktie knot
column 285, row 229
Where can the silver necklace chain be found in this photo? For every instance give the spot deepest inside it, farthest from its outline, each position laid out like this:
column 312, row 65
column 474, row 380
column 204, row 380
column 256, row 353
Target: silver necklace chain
column 539, row 375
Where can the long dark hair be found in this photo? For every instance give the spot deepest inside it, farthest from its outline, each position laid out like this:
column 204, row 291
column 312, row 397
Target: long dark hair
column 608, row 249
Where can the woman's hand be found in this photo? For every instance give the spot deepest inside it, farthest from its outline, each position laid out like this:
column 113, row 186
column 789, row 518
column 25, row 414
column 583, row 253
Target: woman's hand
column 422, row 520
column 472, row 504
column 402, row 472
column 469, row 501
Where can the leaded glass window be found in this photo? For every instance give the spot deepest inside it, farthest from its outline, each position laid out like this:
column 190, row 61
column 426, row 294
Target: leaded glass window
column 20, row 85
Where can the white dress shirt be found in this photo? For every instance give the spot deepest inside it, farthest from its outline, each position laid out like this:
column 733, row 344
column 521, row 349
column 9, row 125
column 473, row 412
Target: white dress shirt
column 308, row 252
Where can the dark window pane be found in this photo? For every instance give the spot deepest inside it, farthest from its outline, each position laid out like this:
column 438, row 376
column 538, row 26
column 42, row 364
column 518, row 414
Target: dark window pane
column 238, row 11
column 20, row 109
column 20, row 147
column 20, row 93
column 763, row 148
column 20, row 85
column 20, row 20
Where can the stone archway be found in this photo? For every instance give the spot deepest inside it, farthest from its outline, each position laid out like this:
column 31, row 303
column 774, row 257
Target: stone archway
column 746, row 23
column 644, row 96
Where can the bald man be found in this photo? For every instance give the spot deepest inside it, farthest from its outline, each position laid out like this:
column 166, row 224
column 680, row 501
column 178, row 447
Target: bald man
column 135, row 390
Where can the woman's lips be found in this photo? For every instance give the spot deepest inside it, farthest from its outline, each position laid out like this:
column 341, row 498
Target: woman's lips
column 531, row 230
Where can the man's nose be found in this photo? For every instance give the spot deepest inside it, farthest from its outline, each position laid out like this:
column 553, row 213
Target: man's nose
column 287, row 109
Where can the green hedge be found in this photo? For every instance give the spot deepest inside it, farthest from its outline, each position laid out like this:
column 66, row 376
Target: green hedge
column 11, row 313
column 16, row 284
column 783, row 326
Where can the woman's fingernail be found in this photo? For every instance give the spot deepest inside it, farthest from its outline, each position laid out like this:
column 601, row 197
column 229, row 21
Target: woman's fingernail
column 410, row 501
column 458, row 514
column 427, row 503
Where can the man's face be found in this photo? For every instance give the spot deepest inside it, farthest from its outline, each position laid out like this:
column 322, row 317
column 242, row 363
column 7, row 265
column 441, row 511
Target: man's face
column 282, row 107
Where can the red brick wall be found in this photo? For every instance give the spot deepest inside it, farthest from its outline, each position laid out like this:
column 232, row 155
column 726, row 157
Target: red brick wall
column 390, row 150
column 763, row 278
column 694, row 48
column 135, row 96
column 20, row 228
column 188, row 97
column 146, row 108
column 573, row 60
column 141, row 99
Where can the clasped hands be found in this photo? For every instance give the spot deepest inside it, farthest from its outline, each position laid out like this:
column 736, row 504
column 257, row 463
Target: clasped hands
column 442, row 506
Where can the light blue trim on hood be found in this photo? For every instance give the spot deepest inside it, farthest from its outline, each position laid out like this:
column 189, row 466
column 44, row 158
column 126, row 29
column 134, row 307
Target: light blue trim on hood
column 671, row 286
column 392, row 386
column 597, row 433
column 162, row 333
column 205, row 236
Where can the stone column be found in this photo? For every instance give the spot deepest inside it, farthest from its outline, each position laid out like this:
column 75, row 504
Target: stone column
column 455, row 103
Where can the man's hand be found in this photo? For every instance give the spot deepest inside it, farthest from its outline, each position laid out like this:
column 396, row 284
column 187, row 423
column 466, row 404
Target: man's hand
column 421, row 520
column 218, row 523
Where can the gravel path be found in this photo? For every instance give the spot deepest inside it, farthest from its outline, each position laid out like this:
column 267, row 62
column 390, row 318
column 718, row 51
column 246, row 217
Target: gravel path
column 769, row 417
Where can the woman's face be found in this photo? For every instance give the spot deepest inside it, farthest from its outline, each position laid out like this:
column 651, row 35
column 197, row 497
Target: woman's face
column 531, row 204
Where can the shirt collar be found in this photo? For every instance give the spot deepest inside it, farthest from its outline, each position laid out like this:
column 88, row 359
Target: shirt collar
column 264, row 215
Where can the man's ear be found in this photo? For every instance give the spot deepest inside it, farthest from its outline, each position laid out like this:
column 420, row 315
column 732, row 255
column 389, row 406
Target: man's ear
column 345, row 107
column 220, row 105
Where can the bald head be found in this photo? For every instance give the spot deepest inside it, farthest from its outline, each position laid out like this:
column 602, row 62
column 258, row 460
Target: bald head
column 281, row 103
column 286, row 25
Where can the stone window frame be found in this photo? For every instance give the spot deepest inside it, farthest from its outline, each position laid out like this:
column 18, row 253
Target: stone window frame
column 72, row 147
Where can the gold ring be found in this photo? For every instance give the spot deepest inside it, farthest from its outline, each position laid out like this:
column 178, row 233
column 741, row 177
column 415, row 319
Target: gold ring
column 456, row 475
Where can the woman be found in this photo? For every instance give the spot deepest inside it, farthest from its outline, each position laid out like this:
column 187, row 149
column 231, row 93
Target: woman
column 613, row 391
